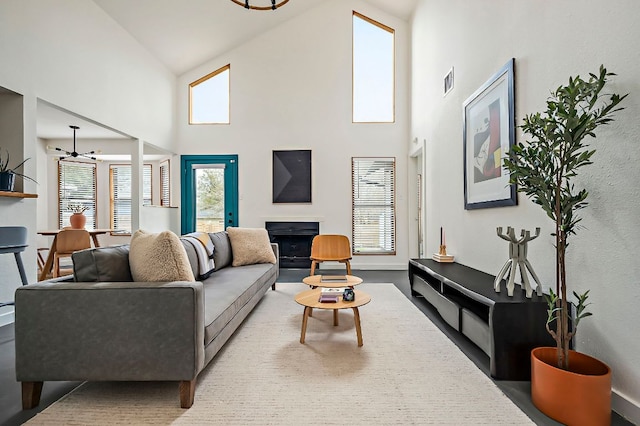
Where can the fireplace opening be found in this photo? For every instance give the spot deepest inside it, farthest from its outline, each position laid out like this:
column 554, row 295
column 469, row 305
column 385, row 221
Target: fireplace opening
column 294, row 241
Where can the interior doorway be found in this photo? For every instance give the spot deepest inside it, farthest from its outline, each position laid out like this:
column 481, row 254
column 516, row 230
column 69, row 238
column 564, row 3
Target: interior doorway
column 417, row 204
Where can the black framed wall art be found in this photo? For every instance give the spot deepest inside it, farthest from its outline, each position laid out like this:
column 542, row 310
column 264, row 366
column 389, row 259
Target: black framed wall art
column 292, row 176
column 489, row 133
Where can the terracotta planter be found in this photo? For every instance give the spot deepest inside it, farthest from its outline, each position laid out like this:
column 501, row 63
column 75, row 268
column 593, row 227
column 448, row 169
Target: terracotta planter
column 578, row 396
column 77, row 220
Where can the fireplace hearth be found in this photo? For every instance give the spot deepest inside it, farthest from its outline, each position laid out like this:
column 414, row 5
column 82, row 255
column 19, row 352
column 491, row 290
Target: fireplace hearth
column 294, row 241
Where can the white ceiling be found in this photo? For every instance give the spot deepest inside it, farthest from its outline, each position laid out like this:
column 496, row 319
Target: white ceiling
column 54, row 122
column 183, row 34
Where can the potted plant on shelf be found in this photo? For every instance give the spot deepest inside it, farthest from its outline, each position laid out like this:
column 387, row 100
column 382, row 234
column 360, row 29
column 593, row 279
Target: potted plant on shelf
column 544, row 169
column 8, row 174
column 77, row 218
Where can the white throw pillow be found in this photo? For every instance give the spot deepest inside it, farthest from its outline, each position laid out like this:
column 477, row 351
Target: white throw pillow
column 250, row 246
column 158, row 257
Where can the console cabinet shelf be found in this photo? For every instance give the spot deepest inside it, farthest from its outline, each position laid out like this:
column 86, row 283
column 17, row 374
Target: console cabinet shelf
column 505, row 328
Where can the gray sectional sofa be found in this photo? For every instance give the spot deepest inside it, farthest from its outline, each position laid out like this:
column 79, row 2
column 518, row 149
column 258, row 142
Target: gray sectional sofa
column 99, row 325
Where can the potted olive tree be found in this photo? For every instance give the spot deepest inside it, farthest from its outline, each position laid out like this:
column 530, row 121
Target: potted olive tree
column 544, row 168
column 8, row 174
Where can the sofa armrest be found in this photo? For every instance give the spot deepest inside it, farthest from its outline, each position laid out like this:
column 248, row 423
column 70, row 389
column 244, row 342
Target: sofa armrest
column 109, row 331
column 276, row 251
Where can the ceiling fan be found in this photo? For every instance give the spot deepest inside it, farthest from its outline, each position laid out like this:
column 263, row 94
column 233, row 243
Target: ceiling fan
column 74, row 153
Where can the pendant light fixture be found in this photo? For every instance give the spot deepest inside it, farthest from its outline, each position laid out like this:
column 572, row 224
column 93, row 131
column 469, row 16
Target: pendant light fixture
column 74, row 153
column 274, row 4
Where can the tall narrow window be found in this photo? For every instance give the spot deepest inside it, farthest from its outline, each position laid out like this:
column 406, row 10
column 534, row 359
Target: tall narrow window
column 120, row 183
column 209, row 98
column 165, row 184
column 373, row 71
column 374, row 207
column 76, row 186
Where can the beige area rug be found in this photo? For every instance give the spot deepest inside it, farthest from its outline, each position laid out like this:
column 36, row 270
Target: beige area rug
column 407, row 372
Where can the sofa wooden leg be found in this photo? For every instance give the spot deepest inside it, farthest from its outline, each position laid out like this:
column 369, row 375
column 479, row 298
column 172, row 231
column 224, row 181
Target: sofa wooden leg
column 31, row 392
column 273, row 286
column 187, row 393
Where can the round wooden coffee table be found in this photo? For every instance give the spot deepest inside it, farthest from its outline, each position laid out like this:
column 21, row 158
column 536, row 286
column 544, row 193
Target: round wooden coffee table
column 317, row 281
column 309, row 299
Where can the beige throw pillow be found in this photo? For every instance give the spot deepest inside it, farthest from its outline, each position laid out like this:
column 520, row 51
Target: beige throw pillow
column 250, row 245
column 158, row 257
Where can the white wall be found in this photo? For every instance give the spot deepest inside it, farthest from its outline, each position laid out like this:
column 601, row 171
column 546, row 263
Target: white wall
column 291, row 89
column 158, row 219
column 71, row 54
column 550, row 42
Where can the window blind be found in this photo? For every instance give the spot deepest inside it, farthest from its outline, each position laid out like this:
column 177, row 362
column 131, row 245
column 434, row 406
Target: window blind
column 120, row 183
column 76, row 186
column 373, row 205
column 165, row 191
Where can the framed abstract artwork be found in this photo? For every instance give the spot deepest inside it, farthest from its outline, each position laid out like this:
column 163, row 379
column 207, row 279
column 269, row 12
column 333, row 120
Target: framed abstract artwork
column 489, row 133
column 292, row 176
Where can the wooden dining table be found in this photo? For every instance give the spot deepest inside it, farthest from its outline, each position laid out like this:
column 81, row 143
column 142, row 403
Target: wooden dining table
column 48, row 265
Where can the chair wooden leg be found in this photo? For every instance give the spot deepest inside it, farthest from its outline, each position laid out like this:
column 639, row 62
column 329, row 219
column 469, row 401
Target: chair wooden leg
column 348, row 267
column 313, row 267
column 56, row 267
column 31, row 392
column 187, row 393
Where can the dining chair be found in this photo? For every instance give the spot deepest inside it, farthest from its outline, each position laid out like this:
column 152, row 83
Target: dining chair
column 330, row 248
column 69, row 241
column 41, row 259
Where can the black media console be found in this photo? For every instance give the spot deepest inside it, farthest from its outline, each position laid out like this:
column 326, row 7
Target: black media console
column 505, row 328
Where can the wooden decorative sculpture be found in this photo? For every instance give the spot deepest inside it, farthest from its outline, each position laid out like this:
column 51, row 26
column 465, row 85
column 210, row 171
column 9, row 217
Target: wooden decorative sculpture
column 517, row 258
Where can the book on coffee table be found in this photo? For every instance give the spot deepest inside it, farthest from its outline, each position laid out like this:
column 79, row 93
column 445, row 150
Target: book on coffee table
column 333, row 291
column 328, row 298
column 333, row 278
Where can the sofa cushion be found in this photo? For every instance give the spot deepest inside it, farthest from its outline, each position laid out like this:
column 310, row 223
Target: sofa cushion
column 158, row 257
column 102, row 264
column 191, row 255
column 250, row 246
column 227, row 291
column 221, row 249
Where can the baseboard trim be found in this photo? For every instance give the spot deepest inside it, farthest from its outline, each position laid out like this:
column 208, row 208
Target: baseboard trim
column 623, row 406
column 379, row 266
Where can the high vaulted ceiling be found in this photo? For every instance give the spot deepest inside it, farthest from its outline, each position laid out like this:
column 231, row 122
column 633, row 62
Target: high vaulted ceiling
column 183, row 34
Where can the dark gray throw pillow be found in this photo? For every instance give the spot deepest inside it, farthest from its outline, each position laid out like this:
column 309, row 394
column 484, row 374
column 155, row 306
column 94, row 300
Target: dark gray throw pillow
column 102, row 264
column 222, row 255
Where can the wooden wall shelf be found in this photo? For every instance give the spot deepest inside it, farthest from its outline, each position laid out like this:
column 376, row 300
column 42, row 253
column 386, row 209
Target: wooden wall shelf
column 17, row 194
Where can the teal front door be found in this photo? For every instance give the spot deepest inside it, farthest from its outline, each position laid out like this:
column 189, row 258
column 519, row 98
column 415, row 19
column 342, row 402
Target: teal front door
column 209, row 195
